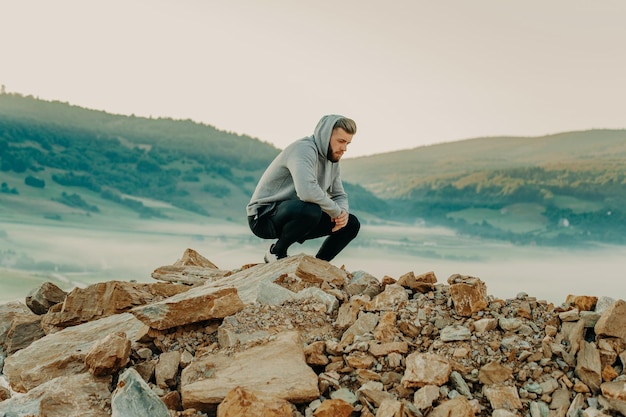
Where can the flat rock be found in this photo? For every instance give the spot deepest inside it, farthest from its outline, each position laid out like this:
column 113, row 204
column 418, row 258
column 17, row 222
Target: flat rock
column 240, row 402
column 105, row 299
column 503, row 397
column 198, row 304
column 80, row 395
column 277, row 368
column 63, row 353
column 426, row 369
column 589, row 366
column 305, row 268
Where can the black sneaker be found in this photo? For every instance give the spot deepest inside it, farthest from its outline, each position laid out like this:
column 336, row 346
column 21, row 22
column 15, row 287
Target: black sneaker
column 271, row 256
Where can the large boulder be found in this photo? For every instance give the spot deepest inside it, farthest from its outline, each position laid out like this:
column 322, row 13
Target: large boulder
column 277, row 368
column 63, row 353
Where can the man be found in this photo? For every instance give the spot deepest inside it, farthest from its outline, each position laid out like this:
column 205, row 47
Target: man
column 300, row 196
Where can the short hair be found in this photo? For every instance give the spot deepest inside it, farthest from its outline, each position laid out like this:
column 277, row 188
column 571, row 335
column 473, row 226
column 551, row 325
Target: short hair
column 346, row 124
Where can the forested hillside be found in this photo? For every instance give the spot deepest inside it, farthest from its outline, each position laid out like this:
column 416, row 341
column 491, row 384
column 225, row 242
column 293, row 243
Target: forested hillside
column 560, row 189
column 88, row 156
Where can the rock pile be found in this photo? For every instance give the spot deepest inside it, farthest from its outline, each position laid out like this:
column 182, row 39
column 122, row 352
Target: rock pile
column 300, row 337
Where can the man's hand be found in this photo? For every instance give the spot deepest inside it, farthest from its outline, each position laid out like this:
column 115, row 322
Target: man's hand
column 340, row 221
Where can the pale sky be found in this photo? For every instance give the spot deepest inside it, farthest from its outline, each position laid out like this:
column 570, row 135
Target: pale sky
column 410, row 72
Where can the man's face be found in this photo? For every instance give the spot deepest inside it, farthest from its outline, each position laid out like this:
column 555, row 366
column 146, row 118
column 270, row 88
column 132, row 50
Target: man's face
column 339, row 141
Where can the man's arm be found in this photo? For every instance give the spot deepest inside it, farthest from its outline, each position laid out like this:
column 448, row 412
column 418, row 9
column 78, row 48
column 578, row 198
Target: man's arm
column 303, row 168
column 338, row 194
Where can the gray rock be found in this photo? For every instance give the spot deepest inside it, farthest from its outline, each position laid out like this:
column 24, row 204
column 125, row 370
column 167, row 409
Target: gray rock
column 273, row 294
column 460, row 385
column 331, row 302
column 455, row 332
column 134, row 398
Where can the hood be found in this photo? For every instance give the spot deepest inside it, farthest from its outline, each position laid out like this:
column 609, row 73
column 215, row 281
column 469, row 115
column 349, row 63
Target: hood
column 322, row 133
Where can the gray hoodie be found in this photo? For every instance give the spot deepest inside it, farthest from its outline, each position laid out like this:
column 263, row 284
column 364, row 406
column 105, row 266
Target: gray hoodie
column 302, row 171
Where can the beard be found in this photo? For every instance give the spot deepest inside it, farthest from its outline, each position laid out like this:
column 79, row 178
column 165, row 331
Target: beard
column 331, row 156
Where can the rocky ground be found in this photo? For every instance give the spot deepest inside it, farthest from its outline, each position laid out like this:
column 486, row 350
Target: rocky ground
column 300, row 337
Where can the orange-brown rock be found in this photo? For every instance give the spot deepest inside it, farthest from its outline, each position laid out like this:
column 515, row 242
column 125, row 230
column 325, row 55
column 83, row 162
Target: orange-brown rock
column 469, row 294
column 277, row 368
column 105, row 299
column 391, row 408
column 421, row 283
column 334, row 408
column 40, row 299
column 242, row 402
column 5, row 393
column 63, row 353
column 172, row 400
column 503, row 396
column 8, row 312
column 316, row 271
column 315, row 354
column 426, row 369
column 109, row 354
column 609, row 373
column 582, row 302
column 166, row 369
column 494, row 373
column 612, row 323
column 384, row 349
column 80, row 395
column 589, row 366
column 360, row 360
column 24, row 329
column 386, row 330
column 393, row 296
column 426, row 396
column 457, row 407
column 192, row 268
column 198, row 304
column 192, row 258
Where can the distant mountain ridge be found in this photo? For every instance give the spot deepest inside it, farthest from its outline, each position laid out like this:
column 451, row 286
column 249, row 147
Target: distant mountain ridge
column 62, row 162
column 566, row 188
column 595, row 147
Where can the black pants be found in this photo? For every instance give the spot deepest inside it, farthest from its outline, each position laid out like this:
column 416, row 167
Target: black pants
column 296, row 221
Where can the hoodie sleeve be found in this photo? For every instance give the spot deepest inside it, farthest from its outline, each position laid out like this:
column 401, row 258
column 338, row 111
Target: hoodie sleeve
column 303, row 168
column 338, row 194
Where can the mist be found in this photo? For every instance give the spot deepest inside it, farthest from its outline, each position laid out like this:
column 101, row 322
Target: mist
column 78, row 256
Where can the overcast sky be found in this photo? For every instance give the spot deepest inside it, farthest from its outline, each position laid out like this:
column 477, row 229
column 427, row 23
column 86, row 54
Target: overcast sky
column 410, row 72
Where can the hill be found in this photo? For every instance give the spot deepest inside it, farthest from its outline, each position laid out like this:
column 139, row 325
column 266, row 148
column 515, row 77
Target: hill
column 561, row 189
column 54, row 155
